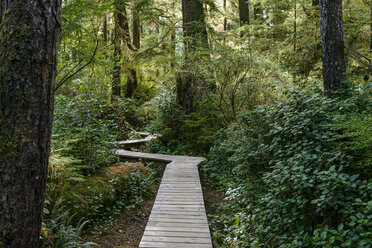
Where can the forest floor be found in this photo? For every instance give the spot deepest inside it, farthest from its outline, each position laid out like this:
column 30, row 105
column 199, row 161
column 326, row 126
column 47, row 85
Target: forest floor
column 212, row 199
column 126, row 230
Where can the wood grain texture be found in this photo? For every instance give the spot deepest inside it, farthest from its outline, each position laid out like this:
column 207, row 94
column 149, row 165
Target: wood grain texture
column 178, row 217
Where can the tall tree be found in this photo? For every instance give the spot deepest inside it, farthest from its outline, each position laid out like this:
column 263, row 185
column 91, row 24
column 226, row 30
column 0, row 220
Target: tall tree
column 104, row 30
column 120, row 19
column 28, row 56
column 189, row 85
column 331, row 30
column 243, row 12
column 136, row 28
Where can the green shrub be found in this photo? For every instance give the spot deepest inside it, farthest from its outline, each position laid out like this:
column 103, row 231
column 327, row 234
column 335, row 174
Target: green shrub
column 183, row 133
column 83, row 127
column 291, row 174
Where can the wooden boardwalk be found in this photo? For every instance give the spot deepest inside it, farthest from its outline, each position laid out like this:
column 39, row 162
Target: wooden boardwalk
column 178, row 218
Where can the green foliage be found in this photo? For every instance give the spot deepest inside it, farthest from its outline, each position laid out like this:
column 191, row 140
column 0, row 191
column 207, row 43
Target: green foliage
column 57, row 232
column 84, row 128
column 107, row 192
column 291, row 182
column 180, row 132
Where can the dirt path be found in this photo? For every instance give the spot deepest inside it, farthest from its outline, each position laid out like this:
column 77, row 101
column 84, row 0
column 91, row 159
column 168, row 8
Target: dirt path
column 127, row 228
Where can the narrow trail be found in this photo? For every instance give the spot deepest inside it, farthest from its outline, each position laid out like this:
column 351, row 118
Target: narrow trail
column 178, row 217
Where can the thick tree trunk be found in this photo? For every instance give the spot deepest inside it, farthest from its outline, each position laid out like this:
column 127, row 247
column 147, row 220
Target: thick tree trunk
column 28, row 58
column 194, row 27
column 189, row 86
column 370, row 27
column 121, row 43
column 118, row 39
column 243, row 12
column 132, row 83
column 126, row 47
column 331, row 29
column 136, row 29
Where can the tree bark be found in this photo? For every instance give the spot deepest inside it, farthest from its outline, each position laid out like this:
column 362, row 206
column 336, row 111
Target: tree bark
column 331, row 29
column 28, row 58
column 173, row 49
column 132, row 83
column 224, row 18
column 243, row 12
column 194, row 27
column 136, row 29
column 189, row 86
column 104, row 30
column 120, row 19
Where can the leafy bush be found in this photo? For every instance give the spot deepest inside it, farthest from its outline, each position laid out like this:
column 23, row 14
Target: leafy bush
column 83, row 128
column 183, row 133
column 291, row 172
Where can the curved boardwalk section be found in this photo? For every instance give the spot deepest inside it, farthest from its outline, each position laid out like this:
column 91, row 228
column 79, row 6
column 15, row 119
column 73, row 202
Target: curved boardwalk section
column 178, row 218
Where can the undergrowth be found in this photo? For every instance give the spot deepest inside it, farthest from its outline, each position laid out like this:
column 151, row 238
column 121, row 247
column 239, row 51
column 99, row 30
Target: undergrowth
column 296, row 174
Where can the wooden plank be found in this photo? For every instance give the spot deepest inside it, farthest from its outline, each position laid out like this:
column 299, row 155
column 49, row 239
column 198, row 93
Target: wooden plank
column 200, row 216
column 177, row 229
column 180, row 225
column 178, row 218
column 176, row 234
column 185, row 240
column 172, row 245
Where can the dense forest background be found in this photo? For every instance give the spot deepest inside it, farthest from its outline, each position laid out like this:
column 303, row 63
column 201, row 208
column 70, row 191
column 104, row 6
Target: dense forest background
column 239, row 83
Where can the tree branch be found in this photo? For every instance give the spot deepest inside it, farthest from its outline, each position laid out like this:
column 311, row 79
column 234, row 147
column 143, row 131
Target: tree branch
column 64, row 79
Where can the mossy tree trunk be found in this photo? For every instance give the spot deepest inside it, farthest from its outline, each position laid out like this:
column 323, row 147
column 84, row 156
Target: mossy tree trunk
column 331, row 30
column 120, row 19
column 136, row 28
column 189, row 86
column 28, row 56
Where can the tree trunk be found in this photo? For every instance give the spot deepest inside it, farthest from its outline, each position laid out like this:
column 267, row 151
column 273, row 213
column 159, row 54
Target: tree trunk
column 189, row 86
column 119, row 18
column 116, row 73
column 370, row 27
column 243, row 12
column 173, row 49
column 28, row 58
column 105, row 39
column 331, row 29
column 136, row 29
column 132, row 83
column 194, row 27
column 224, row 18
